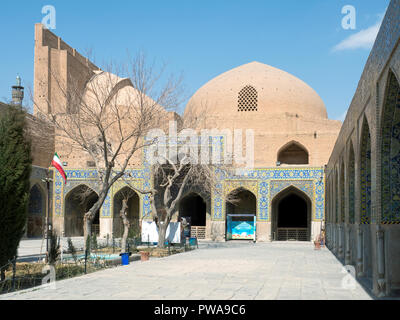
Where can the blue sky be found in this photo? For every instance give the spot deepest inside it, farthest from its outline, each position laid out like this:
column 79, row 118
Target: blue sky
column 204, row 38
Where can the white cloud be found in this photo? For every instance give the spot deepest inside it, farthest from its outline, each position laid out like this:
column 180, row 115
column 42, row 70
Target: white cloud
column 364, row 39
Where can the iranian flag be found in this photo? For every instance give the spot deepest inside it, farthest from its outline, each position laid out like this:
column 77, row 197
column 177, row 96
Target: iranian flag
column 58, row 165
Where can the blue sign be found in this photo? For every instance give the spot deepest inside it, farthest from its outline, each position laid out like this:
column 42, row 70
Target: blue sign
column 241, row 230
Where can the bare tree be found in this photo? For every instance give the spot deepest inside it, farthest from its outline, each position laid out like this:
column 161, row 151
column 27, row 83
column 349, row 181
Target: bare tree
column 104, row 117
column 126, row 194
column 178, row 174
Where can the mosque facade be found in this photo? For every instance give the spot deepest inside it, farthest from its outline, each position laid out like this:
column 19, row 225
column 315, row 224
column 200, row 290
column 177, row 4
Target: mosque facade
column 293, row 139
column 310, row 173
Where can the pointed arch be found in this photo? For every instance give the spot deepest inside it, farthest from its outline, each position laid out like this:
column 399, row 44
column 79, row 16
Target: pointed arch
column 342, row 193
column 77, row 202
column 36, row 211
column 193, row 207
column 293, row 153
column 291, row 215
column 351, row 183
column 241, row 210
column 336, row 192
column 390, row 151
column 365, row 173
column 133, row 211
column 241, row 201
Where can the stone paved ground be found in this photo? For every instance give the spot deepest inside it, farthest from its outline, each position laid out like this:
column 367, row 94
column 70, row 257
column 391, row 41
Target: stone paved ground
column 237, row 271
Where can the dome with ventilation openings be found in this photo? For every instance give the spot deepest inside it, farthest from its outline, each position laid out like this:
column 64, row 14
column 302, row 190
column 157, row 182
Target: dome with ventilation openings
column 256, row 90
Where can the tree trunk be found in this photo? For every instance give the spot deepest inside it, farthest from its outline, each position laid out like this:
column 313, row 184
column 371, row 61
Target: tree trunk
column 90, row 215
column 162, row 233
column 87, row 231
column 125, row 221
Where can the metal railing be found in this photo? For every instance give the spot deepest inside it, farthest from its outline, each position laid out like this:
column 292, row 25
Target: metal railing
column 198, row 232
column 292, row 234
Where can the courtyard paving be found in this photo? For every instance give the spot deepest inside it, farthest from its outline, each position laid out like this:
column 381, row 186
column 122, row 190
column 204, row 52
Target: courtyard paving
column 227, row 271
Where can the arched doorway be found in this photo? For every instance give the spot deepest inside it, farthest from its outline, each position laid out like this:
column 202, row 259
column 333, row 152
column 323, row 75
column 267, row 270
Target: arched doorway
column 77, row 202
column 36, row 212
column 133, row 212
column 293, row 153
column 193, row 208
column 241, row 210
column 291, row 216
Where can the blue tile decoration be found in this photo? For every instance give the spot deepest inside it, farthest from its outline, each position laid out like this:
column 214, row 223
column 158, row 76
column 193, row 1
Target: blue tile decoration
column 365, row 175
column 270, row 182
column 390, row 176
column 264, row 183
column 351, row 176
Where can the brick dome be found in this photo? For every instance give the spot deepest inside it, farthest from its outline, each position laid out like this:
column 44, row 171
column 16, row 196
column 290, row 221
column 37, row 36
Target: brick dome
column 256, row 89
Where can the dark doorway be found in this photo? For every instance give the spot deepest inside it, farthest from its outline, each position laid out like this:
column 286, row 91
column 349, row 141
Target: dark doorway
column 133, row 213
column 291, row 216
column 193, row 207
column 292, row 212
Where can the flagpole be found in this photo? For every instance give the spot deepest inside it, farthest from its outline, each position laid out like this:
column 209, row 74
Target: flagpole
column 48, row 228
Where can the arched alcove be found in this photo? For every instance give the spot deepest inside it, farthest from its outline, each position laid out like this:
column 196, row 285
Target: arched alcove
column 342, row 194
column 243, row 202
column 291, row 215
column 365, row 196
column 241, row 211
column 77, row 202
column 133, row 211
column 293, row 153
column 36, row 212
column 351, row 182
column 193, row 206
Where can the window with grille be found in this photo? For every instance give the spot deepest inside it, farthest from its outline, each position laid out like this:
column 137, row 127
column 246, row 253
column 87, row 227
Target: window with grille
column 248, row 99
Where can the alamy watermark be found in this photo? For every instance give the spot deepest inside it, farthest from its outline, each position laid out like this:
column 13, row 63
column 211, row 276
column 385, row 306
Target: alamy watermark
column 349, row 21
column 192, row 148
column 49, row 20
column 49, row 280
column 349, row 280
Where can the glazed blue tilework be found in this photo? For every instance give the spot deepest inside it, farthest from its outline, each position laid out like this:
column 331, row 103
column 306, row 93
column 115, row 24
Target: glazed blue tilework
column 365, row 175
column 264, row 183
column 391, row 154
column 270, row 182
column 88, row 177
column 351, row 176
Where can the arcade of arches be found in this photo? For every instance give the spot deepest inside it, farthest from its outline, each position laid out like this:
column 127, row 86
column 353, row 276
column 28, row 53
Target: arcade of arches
column 363, row 189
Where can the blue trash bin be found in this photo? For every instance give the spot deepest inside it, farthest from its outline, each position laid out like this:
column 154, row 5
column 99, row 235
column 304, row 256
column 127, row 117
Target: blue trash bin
column 193, row 241
column 125, row 258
